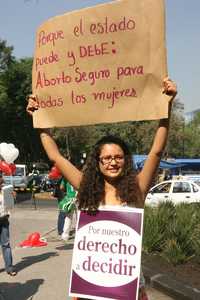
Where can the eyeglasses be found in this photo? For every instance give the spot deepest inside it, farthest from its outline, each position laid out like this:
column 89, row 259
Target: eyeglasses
column 105, row 160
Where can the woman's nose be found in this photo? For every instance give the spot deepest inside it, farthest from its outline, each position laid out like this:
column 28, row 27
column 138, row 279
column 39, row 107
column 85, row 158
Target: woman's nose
column 113, row 161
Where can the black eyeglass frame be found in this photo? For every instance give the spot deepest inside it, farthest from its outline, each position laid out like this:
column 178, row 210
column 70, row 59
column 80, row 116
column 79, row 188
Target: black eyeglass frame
column 117, row 158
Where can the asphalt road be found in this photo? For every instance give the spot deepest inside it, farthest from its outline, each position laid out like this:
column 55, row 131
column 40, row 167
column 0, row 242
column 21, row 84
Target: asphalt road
column 36, row 201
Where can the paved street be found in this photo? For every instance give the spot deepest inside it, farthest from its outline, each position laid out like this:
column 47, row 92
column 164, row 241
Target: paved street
column 156, row 295
column 39, row 201
column 43, row 272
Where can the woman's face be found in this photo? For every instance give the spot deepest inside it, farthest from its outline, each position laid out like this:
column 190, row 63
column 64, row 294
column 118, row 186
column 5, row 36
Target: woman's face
column 111, row 160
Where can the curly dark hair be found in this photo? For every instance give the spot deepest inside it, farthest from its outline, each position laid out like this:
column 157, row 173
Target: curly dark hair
column 92, row 189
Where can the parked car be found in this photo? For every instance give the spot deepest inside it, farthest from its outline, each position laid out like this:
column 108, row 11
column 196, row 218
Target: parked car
column 20, row 179
column 174, row 190
column 193, row 177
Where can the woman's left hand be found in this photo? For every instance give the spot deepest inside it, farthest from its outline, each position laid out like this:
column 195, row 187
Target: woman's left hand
column 169, row 87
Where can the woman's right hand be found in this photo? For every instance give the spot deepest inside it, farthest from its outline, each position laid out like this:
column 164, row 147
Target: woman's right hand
column 32, row 104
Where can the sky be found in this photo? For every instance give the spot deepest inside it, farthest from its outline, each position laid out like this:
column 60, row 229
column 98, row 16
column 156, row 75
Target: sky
column 19, row 20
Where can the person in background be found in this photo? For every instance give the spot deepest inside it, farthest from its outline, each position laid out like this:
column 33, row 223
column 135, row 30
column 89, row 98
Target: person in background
column 109, row 177
column 5, row 236
column 34, row 176
column 58, row 194
column 67, row 209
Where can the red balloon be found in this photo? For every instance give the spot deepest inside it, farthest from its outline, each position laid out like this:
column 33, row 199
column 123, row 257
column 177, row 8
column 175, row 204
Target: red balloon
column 50, row 175
column 55, row 170
column 33, row 241
column 54, row 173
column 13, row 168
column 5, row 168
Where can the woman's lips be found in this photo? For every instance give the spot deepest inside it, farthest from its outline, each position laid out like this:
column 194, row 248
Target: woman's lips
column 113, row 170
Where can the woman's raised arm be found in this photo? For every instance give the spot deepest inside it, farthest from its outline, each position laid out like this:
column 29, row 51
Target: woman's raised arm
column 69, row 171
column 152, row 162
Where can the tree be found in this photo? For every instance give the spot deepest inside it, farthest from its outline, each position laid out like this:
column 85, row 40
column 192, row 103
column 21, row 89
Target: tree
column 17, row 80
column 75, row 141
column 15, row 85
column 6, row 58
column 138, row 135
column 175, row 145
column 192, row 133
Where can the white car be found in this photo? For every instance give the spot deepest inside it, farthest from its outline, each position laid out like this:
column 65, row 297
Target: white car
column 173, row 190
column 20, row 179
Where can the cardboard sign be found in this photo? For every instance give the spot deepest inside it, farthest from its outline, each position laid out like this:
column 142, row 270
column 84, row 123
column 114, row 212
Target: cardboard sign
column 101, row 64
column 107, row 254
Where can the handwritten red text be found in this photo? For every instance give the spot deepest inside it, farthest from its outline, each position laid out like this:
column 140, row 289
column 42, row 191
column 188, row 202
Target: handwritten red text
column 43, row 81
column 129, row 71
column 109, row 26
column 45, row 60
column 91, row 76
column 50, row 102
column 78, row 30
column 114, row 95
column 77, row 99
column 51, row 37
column 94, row 50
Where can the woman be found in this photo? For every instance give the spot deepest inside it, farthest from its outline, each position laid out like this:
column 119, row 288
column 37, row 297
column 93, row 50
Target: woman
column 69, row 198
column 109, row 177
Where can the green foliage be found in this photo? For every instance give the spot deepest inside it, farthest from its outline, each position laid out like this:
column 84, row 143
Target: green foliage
column 173, row 231
column 196, row 242
column 180, row 235
column 173, row 253
column 192, row 141
column 75, row 141
column 153, row 235
column 15, row 85
column 196, row 232
column 156, row 222
column 6, row 57
column 175, row 145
